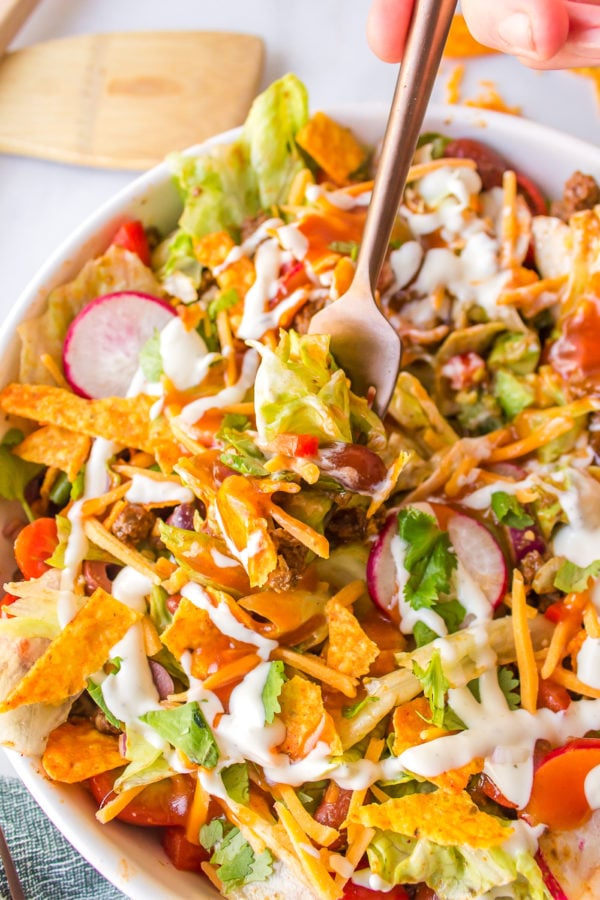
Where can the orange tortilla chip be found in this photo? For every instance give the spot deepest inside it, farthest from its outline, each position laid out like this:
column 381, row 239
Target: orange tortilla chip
column 76, row 751
column 125, row 420
column 333, row 147
column 305, row 719
column 411, row 724
column 456, row 780
column 350, row 650
column 80, row 649
column 213, row 249
column 444, row 818
column 56, row 448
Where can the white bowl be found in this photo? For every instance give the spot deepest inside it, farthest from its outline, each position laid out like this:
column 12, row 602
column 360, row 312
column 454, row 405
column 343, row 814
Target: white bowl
column 131, row 857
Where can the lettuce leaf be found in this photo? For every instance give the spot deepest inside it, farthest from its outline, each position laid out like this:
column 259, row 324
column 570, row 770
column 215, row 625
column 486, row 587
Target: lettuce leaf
column 455, row 873
column 300, row 390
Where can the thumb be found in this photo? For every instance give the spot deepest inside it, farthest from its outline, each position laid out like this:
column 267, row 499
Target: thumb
column 532, row 29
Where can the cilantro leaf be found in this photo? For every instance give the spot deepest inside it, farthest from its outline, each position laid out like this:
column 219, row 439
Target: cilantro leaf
column 151, row 362
column 509, row 511
column 186, row 729
column 225, row 300
column 237, row 862
column 508, row 685
column 572, row 578
column 451, row 611
column 15, row 473
column 272, row 689
column 349, row 712
column 236, row 781
column 95, row 691
column 429, row 559
column 435, row 685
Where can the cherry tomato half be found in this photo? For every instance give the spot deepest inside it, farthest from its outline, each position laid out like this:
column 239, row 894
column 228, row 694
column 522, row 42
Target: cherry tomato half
column 131, row 236
column 558, row 796
column 184, row 855
column 357, row 892
column 34, row 545
column 166, row 802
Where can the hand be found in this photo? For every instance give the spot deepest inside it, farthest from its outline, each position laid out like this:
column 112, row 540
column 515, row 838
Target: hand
column 542, row 34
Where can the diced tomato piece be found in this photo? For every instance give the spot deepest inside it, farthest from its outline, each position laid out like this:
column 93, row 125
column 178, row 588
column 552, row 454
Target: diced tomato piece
column 533, row 196
column 558, row 796
column 132, row 236
column 357, row 892
column 34, row 545
column 184, row 855
column 301, row 445
column 556, row 612
column 166, row 802
column 464, row 370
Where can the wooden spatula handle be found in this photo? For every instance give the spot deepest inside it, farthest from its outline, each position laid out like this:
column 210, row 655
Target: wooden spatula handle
column 13, row 15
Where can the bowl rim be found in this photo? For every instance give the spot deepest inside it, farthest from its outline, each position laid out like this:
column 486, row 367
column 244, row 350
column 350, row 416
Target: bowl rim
column 109, row 849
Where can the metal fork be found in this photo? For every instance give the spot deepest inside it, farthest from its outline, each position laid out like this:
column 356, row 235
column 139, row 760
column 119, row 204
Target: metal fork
column 14, row 883
column 363, row 342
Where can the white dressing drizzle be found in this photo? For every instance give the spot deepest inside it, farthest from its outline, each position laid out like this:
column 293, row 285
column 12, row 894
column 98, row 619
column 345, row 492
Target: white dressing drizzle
column 588, row 662
column 591, row 787
column 257, row 318
column 185, row 356
column 150, row 490
column 235, row 393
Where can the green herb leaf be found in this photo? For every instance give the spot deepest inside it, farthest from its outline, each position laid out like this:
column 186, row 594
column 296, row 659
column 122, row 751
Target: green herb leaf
column 15, row 473
column 225, row 300
column 95, row 692
column 572, row 578
column 508, row 683
column 272, row 689
column 151, row 362
column 244, row 464
column 509, row 511
column 237, row 783
column 435, row 685
column 451, row 611
column 349, row 712
column 429, row 559
column 237, row 863
column 186, row 729
column 348, row 248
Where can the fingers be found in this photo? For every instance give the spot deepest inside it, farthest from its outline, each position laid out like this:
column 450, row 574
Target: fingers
column 387, row 26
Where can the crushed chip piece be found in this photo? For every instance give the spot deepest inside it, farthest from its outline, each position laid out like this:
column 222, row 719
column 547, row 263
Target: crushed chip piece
column 80, row 649
column 212, row 249
column 56, row 448
column 456, row 780
column 410, row 724
column 333, row 147
column 350, row 650
column 444, row 818
column 125, row 420
column 76, row 751
column 305, row 718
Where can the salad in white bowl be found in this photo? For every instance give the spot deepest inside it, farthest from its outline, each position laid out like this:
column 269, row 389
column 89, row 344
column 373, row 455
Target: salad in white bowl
column 318, row 653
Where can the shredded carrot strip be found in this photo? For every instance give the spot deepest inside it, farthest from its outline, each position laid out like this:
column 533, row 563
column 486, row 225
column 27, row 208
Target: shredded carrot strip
column 118, row 507
column 141, row 460
column 321, row 834
column 372, row 754
column 129, row 471
column 312, row 665
column 493, row 477
column 591, row 620
column 152, row 641
column 546, row 433
column 316, row 542
column 117, row 804
column 232, row 671
column 357, row 849
column 509, row 219
column 454, row 84
column 420, row 169
column 198, row 813
column 571, row 682
column 528, row 672
column 316, row 873
column 350, row 593
column 564, row 631
column 52, row 367
column 95, row 506
column 49, row 479
column 456, row 482
column 573, row 410
column 211, row 874
column 241, row 409
column 524, row 294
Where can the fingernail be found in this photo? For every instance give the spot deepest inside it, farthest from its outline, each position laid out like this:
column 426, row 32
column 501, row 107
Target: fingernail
column 588, row 42
column 517, row 33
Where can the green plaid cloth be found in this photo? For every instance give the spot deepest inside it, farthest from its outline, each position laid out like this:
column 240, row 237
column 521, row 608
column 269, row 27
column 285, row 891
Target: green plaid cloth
column 48, row 866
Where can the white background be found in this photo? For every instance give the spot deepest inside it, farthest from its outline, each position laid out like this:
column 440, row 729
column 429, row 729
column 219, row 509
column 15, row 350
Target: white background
column 322, row 41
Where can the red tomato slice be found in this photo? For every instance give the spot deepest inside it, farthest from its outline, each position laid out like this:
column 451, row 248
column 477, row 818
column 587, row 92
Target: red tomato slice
column 558, row 796
column 296, row 444
column 357, row 892
column 184, row 855
column 131, row 236
column 165, row 803
column 34, row 545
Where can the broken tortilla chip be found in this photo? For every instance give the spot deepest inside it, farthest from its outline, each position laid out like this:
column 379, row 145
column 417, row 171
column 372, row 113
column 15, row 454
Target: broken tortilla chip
column 56, row 448
column 350, row 650
column 333, row 147
column 305, row 719
column 411, row 722
column 441, row 817
column 80, row 649
column 125, row 420
column 76, row 751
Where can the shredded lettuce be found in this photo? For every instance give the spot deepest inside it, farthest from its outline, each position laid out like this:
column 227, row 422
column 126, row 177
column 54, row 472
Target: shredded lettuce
column 186, row 729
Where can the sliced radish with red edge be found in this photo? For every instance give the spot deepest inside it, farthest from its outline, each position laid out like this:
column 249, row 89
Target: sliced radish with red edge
column 103, row 342
column 481, row 556
column 382, row 581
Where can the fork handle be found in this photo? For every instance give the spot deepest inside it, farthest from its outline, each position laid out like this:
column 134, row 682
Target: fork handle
column 427, row 36
column 13, row 15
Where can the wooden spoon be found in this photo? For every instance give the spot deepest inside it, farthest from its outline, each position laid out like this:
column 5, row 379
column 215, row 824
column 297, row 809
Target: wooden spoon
column 363, row 342
column 121, row 100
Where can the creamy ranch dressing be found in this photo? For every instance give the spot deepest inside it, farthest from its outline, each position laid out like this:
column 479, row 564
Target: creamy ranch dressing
column 150, row 490
column 588, row 662
column 185, row 357
column 591, row 788
column 235, row 393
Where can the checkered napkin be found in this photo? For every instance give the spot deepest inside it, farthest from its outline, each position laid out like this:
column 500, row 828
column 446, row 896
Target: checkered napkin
column 48, row 866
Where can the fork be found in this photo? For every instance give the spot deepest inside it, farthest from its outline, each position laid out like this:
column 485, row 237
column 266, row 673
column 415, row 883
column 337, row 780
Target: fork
column 14, row 883
column 363, row 342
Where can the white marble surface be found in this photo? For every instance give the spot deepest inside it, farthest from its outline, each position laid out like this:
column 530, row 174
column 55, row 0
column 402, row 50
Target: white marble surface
column 322, row 41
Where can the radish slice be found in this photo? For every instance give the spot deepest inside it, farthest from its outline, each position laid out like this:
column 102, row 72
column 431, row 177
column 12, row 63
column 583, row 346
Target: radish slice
column 481, row 556
column 556, row 892
column 103, row 342
column 382, row 578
